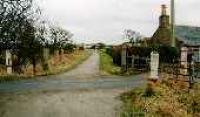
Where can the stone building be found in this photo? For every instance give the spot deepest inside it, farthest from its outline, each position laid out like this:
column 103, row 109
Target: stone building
column 184, row 35
column 187, row 37
column 162, row 36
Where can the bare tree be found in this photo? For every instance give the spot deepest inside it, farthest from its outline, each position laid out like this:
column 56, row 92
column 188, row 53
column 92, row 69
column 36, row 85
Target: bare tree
column 132, row 36
column 17, row 30
column 59, row 37
column 14, row 14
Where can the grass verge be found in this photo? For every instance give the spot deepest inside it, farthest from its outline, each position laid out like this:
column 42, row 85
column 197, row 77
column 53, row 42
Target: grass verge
column 163, row 99
column 13, row 78
column 106, row 65
column 68, row 62
column 56, row 66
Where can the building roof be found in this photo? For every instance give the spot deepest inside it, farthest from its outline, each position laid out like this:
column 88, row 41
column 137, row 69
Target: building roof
column 189, row 35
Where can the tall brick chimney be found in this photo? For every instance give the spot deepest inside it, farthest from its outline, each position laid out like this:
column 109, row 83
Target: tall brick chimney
column 164, row 18
column 162, row 36
column 164, row 9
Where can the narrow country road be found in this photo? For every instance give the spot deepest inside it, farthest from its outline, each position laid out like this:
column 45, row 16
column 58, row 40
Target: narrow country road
column 81, row 92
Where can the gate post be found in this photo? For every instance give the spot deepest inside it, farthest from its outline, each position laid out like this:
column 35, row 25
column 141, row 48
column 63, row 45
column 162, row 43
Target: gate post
column 123, row 58
column 184, row 60
column 8, row 62
column 46, row 58
column 199, row 55
column 133, row 61
column 184, row 54
column 154, row 66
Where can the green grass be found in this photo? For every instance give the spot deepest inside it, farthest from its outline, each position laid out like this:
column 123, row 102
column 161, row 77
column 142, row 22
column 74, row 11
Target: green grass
column 13, row 78
column 107, row 67
column 106, row 64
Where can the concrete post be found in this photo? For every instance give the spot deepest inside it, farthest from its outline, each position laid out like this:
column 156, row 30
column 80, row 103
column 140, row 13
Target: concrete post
column 184, row 60
column 154, row 66
column 9, row 62
column 123, row 58
column 184, row 54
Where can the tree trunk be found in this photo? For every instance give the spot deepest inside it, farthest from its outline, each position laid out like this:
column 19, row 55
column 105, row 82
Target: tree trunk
column 60, row 54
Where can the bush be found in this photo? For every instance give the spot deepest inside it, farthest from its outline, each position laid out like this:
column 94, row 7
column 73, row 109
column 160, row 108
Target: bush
column 109, row 51
column 167, row 54
column 69, row 47
column 116, row 55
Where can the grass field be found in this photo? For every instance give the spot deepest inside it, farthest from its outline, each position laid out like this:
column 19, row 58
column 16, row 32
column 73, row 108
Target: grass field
column 163, row 99
column 106, row 65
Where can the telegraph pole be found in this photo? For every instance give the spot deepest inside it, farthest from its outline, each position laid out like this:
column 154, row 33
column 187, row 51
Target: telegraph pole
column 173, row 37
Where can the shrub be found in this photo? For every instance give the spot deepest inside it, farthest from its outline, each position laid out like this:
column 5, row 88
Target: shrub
column 69, row 47
column 167, row 54
column 109, row 51
column 116, row 55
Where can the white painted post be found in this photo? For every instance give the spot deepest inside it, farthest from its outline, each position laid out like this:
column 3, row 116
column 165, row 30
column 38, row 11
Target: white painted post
column 154, row 65
column 123, row 58
column 184, row 54
column 184, row 60
column 9, row 62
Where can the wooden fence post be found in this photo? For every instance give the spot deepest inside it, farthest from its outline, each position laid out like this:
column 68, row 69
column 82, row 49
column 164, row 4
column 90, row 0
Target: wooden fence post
column 9, row 62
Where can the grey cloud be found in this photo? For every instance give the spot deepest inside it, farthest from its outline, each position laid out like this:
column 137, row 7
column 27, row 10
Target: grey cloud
column 105, row 20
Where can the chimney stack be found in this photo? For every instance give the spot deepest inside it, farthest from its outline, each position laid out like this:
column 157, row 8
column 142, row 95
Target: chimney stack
column 164, row 18
column 164, row 9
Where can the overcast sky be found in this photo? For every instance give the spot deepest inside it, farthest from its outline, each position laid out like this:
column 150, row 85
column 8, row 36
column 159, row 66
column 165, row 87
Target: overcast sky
column 105, row 20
